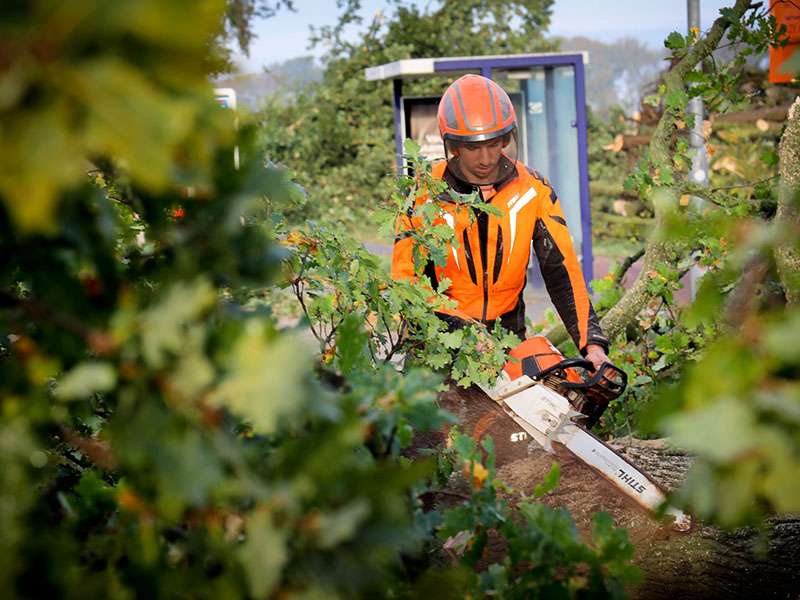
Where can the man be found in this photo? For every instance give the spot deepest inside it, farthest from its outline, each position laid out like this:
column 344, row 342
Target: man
column 488, row 269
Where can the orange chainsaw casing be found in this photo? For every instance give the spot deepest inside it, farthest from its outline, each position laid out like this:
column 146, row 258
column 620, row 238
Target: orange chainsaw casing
column 543, row 353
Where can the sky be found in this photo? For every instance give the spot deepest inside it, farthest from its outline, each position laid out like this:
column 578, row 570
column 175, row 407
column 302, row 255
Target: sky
column 285, row 35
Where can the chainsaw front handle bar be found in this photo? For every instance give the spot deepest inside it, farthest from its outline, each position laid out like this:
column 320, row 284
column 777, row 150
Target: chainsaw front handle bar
column 608, row 382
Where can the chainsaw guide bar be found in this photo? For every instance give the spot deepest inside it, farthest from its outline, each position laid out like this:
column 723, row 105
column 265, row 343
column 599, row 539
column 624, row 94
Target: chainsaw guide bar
column 550, row 419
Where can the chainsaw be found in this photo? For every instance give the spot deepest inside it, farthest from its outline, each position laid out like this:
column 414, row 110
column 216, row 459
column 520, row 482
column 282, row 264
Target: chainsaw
column 544, row 393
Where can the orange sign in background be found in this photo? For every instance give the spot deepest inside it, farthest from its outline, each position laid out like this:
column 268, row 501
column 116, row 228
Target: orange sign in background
column 786, row 12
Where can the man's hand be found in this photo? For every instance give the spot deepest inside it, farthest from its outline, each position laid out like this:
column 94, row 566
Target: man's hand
column 596, row 355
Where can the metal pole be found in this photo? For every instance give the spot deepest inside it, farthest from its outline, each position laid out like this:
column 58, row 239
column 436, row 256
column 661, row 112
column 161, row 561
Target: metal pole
column 587, row 257
column 699, row 168
column 399, row 134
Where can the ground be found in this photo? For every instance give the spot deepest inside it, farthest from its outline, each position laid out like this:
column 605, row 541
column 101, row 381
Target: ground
column 707, row 564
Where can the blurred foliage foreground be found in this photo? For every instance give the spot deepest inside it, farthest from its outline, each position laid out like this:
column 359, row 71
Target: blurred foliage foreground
column 164, row 434
column 158, row 438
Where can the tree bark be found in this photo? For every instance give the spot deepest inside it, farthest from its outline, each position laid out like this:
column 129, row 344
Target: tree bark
column 709, row 563
column 787, row 217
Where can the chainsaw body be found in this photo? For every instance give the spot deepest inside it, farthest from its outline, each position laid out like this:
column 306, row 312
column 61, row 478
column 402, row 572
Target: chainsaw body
column 545, row 395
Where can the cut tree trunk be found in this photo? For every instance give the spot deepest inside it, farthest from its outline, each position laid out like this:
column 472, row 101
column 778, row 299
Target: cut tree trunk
column 760, row 117
column 624, row 142
column 769, row 113
column 707, row 564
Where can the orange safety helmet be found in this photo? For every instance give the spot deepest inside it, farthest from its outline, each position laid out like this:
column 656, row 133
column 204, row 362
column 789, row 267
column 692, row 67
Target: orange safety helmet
column 475, row 109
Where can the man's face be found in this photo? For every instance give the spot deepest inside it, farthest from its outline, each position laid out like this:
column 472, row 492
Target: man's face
column 480, row 160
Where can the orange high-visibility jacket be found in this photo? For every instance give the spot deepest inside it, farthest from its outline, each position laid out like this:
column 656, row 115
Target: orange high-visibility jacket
column 488, row 269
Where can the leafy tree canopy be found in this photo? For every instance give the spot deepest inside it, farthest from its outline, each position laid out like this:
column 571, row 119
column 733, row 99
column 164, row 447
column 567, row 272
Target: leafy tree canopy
column 341, row 131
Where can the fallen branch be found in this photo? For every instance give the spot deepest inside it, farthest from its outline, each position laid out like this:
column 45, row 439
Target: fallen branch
column 629, row 262
column 99, row 342
column 743, row 185
column 612, row 218
column 446, row 493
column 624, row 142
column 615, row 190
column 95, row 450
column 769, row 113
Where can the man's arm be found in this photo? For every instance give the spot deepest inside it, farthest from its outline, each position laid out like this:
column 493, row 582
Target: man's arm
column 564, row 280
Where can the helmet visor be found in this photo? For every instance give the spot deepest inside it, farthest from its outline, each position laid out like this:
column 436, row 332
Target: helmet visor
column 482, row 163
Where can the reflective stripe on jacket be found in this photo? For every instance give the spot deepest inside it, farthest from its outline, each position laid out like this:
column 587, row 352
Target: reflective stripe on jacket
column 488, row 268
